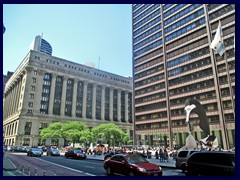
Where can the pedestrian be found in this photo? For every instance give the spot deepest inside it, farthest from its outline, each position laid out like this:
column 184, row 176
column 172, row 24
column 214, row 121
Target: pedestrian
column 156, row 154
column 165, row 155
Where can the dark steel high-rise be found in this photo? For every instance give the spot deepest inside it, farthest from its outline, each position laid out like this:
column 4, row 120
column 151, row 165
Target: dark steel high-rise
column 172, row 61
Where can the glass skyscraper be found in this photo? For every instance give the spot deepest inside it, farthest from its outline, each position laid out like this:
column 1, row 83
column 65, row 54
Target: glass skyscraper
column 172, row 62
column 41, row 45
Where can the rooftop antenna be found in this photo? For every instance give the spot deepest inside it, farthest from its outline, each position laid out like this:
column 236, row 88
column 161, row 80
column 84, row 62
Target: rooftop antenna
column 99, row 62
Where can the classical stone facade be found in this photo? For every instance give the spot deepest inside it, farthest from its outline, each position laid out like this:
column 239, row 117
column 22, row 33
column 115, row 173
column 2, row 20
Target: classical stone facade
column 46, row 89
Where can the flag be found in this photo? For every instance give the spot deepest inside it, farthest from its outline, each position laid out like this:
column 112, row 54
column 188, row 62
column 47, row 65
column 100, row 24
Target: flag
column 217, row 44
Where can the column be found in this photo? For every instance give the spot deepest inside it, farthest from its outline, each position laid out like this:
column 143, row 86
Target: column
column 119, row 105
column 111, row 104
column 64, row 88
column 52, row 92
column 11, row 101
column 94, row 101
column 19, row 85
column 126, row 107
column 15, row 97
column 74, row 100
column 103, row 103
column 84, row 99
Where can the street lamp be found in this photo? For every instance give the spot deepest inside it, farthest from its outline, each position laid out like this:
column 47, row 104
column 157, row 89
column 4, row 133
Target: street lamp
column 32, row 140
column 112, row 137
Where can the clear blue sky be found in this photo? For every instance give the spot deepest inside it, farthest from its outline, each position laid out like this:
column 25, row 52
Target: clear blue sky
column 78, row 32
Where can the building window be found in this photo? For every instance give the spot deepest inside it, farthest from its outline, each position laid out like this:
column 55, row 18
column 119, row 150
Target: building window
column 30, row 104
column 35, row 72
column 31, row 96
column 34, row 80
column 30, row 111
column 33, row 88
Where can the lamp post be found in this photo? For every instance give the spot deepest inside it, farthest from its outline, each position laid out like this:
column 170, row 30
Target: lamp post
column 32, row 140
column 112, row 137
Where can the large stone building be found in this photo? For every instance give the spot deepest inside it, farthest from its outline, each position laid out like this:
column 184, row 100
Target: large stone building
column 46, row 89
column 172, row 61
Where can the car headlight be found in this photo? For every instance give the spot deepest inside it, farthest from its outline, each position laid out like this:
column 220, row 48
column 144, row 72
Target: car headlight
column 160, row 168
column 142, row 169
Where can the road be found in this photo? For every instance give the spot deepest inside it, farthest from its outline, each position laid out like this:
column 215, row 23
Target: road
column 60, row 166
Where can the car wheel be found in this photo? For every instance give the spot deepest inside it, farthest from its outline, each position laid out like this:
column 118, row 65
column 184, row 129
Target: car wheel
column 183, row 168
column 131, row 173
column 109, row 171
column 66, row 156
column 198, row 172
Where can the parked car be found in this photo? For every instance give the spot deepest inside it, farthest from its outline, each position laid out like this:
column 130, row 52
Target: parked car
column 19, row 149
column 182, row 157
column 211, row 163
column 110, row 154
column 26, row 149
column 76, row 153
column 131, row 165
column 34, row 152
column 53, row 152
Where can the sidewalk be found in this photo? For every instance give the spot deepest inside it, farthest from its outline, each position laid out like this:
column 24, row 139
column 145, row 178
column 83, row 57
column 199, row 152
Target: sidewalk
column 9, row 169
column 169, row 164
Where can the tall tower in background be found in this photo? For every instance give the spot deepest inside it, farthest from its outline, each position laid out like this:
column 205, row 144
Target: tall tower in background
column 41, row 45
column 172, row 61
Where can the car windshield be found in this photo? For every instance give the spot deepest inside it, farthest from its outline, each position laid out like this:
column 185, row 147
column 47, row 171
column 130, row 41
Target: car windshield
column 77, row 151
column 135, row 159
column 35, row 149
column 54, row 150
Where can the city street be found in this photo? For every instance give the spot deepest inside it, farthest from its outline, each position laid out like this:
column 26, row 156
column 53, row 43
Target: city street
column 60, row 166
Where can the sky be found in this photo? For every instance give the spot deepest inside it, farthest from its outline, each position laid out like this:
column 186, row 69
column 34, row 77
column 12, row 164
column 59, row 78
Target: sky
column 97, row 33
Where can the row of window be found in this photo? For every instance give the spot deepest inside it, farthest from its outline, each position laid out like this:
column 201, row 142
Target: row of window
column 188, row 67
column 173, row 10
column 149, row 17
column 148, row 40
column 141, row 9
column 192, row 76
column 183, row 21
column 188, row 57
column 147, row 33
column 149, row 72
column 151, row 9
column 146, row 26
column 150, row 89
column 182, row 13
column 185, row 29
column 221, row 11
column 149, row 47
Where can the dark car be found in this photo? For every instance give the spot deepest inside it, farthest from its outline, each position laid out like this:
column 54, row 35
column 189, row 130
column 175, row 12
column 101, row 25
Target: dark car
column 53, row 152
column 76, row 153
column 110, row 154
column 182, row 157
column 211, row 163
column 34, row 152
column 131, row 165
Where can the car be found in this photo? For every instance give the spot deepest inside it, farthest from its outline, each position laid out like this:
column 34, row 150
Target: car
column 131, row 165
column 211, row 163
column 75, row 153
column 34, row 152
column 19, row 149
column 182, row 157
column 53, row 152
column 110, row 154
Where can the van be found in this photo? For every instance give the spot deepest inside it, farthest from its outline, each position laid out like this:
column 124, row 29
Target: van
column 211, row 163
column 182, row 157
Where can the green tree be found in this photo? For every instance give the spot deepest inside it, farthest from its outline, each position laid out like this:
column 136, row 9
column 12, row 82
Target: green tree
column 110, row 133
column 54, row 131
column 76, row 132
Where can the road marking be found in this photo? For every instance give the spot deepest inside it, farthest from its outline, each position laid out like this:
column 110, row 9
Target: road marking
column 67, row 167
column 89, row 167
